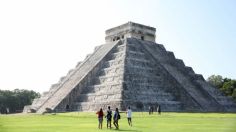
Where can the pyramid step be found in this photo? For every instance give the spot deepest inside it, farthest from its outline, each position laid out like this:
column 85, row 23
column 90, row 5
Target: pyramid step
column 198, row 94
column 111, row 63
column 111, row 70
column 140, row 86
column 216, row 94
column 224, row 101
column 153, row 94
column 135, row 52
column 107, row 85
column 146, row 77
column 104, row 90
column 143, row 95
column 137, row 68
column 97, row 97
column 189, row 70
column 95, row 106
column 136, row 55
column 170, row 102
column 213, row 91
column 146, row 98
column 170, row 105
column 116, row 55
column 111, row 77
column 199, row 77
column 179, row 63
column 98, row 87
column 156, row 50
column 139, row 62
column 165, row 105
column 141, row 81
column 132, row 47
column 157, row 46
column 119, row 48
column 108, row 79
column 138, row 71
column 171, row 55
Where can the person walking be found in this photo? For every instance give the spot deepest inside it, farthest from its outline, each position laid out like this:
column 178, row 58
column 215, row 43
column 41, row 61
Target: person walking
column 100, row 118
column 116, row 118
column 129, row 114
column 109, row 117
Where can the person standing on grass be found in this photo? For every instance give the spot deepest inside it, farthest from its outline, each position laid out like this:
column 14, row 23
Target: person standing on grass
column 150, row 110
column 116, row 118
column 109, row 117
column 159, row 109
column 100, row 118
column 129, row 114
column 7, row 111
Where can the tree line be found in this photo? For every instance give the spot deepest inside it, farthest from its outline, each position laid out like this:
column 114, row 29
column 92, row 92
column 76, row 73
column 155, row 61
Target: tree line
column 15, row 100
column 226, row 85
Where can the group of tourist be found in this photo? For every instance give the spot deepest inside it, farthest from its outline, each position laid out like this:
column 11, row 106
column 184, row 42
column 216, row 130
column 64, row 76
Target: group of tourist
column 116, row 117
column 151, row 109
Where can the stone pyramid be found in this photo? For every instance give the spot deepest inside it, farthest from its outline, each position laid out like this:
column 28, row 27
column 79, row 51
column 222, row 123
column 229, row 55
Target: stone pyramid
column 132, row 70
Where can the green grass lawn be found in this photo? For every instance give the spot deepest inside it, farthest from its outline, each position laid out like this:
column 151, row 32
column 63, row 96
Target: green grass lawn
column 142, row 122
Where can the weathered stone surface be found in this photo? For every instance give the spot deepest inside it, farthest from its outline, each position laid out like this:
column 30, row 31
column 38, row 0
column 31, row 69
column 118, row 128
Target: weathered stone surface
column 131, row 30
column 132, row 72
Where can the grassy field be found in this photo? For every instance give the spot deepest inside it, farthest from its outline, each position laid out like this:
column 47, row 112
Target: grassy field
column 142, row 122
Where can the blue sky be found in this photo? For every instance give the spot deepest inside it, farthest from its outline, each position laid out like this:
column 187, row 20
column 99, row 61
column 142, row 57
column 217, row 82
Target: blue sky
column 40, row 41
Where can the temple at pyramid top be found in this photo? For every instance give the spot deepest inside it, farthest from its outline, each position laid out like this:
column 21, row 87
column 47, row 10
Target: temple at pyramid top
column 131, row 30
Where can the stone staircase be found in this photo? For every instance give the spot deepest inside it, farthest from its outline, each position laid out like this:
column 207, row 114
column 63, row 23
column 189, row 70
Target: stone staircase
column 106, row 88
column 60, row 94
column 127, row 76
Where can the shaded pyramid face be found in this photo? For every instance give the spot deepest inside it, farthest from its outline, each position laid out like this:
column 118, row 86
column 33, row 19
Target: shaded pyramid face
column 136, row 73
column 157, row 77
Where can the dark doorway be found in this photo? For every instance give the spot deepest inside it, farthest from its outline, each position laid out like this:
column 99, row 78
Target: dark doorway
column 142, row 37
column 67, row 108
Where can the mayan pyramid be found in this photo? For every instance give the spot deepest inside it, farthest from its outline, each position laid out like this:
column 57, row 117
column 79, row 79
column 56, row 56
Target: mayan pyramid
column 131, row 69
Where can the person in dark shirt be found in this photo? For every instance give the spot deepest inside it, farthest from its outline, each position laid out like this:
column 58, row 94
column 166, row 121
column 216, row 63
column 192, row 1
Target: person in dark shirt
column 109, row 117
column 116, row 118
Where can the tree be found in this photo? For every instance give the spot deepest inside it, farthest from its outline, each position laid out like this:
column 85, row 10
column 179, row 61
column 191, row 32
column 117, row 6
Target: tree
column 216, row 80
column 228, row 88
column 16, row 100
column 226, row 85
column 234, row 94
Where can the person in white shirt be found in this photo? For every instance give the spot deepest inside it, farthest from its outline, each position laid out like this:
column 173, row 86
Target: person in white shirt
column 129, row 115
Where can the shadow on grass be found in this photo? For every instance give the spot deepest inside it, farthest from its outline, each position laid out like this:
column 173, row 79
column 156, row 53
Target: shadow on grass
column 126, row 130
